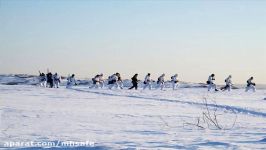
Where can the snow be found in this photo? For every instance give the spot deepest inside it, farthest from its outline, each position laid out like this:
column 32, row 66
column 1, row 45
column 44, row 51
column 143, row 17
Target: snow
column 124, row 119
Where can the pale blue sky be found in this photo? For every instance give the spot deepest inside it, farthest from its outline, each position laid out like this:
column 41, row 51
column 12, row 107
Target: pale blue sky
column 188, row 37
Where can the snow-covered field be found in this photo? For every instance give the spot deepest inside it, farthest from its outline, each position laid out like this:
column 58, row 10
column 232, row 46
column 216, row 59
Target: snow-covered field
column 123, row 119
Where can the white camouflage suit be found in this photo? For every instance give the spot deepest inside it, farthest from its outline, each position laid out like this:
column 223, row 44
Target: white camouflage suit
column 147, row 82
column 174, row 81
column 70, row 82
column 211, row 84
column 160, row 81
column 56, row 79
column 250, row 85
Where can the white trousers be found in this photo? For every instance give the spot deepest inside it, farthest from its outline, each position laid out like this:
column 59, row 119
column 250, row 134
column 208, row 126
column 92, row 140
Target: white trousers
column 211, row 86
column 251, row 87
column 43, row 83
column 96, row 85
column 116, row 85
column 56, row 84
column 148, row 84
column 161, row 85
column 69, row 84
column 174, row 85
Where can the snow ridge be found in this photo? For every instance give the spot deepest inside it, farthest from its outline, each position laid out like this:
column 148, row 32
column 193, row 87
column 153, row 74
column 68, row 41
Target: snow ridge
column 225, row 107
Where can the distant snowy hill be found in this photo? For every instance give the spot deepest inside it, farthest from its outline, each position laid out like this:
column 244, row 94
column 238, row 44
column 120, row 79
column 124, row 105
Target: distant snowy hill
column 19, row 79
column 24, row 79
